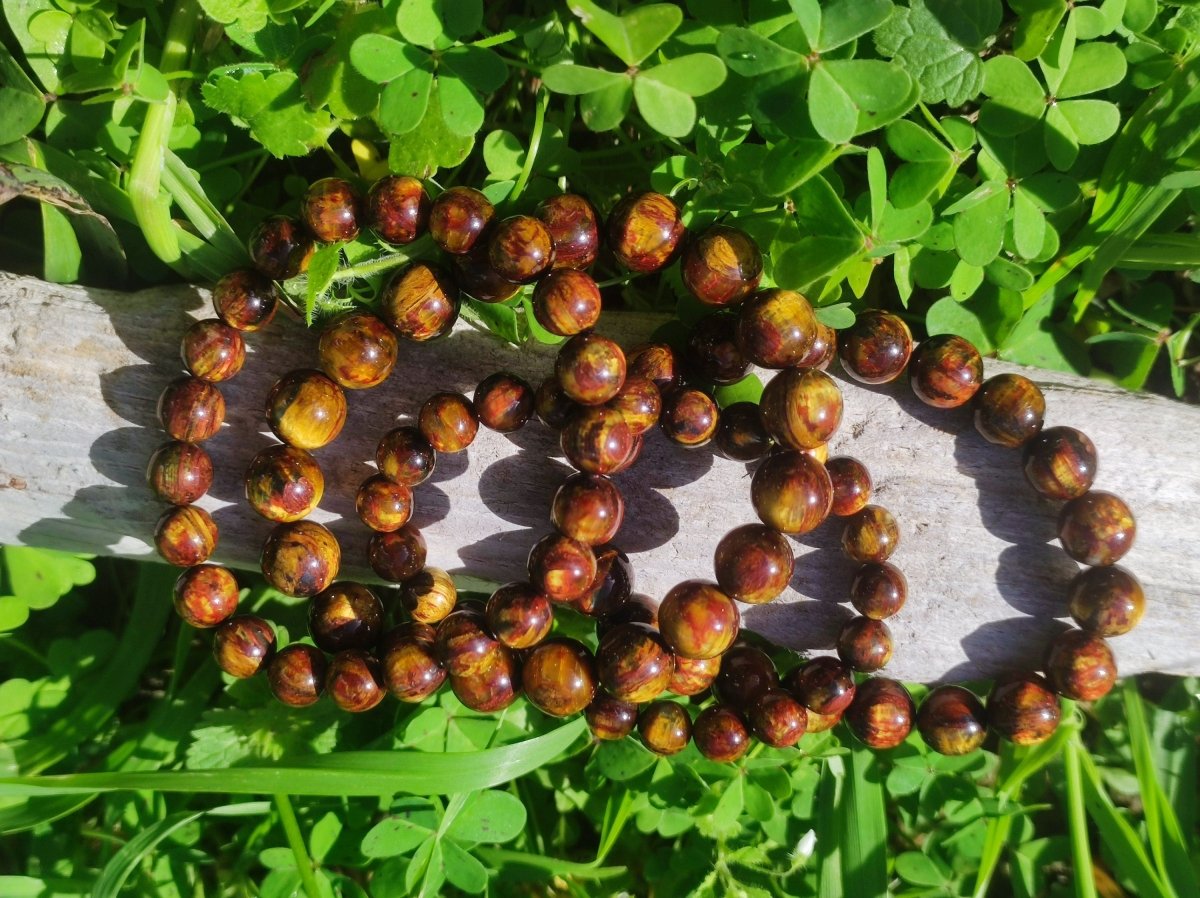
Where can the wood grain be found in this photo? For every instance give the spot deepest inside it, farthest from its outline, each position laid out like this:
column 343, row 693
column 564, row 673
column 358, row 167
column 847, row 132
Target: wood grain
column 81, row 370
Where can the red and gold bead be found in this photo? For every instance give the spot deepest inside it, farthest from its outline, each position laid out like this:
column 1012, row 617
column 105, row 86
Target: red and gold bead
column 693, row 675
column 562, row 568
column 1009, row 410
column 382, row 504
column 1023, row 709
column 411, row 670
column 306, row 409
column 345, row 616
column 824, row 685
column 721, row 734
column 777, row 329
column 609, row 718
column 656, row 362
column 463, row 641
column 478, row 279
column 457, row 218
column 820, row 355
column 876, row 348
column 354, row 680
column 179, row 473
column 665, row 727
column 945, row 371
column 212, row 350
column 722, row 266
column 778, row 719
column 397, row 209
column 205, row 595
column 191, row 410
column 245, row 300
column 689, row 417
column 698, row 620
column 644, row 231
column 494, row 684
column 301, row 558
column 397, row 555
column 284, row 483
column 296, row 675
column 280, row 247
column 1060, row 463
column 519, row 615
column 747, row 672
column 573, row 228
column 871, row 535
column 791, row 492
column 639, row 403
column 740, row 433
column 596, row 440
column 420, row 302
column 331, row 209
column 553, row 406
column 358, row 350
column 1107, row 601
column 429, row 596
column 566, row 302
column 1081, row 666
column 520, row 249
column 1097, row 528
column 559, row 677
column 865, row 644
column 878, row 590
column 952, row 721
column 753, row 563
column 185, row 535
column 851, row 485
column 243, row 645
column 801, row 408
column 590, row 368
column 713, row 353
column 503, row 402
column 448, row 421
column 405, row 456
column 611, row 587
column 588, row 508
column 881, row 714
column 633, row 662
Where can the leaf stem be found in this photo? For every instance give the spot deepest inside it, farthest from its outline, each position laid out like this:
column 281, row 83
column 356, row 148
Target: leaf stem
column 535, row 141
column 1081, row 851
column 496, row 40
column 291, row 829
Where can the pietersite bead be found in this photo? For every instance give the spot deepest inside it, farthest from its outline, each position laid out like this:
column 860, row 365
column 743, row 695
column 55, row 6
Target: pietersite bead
column 665, row 727
column 520, row 249
column 865, row 644
column 397, row 209
column 634, row 663
column 945, row 371
column 851, row 485
column 283, row 483
column 656, row 362
column 740, row 433
column 463, row 641
column 609, row 718
column 420, row 302
column 212, row 350
column 503, row 402
column 448, row 421
column 245, row 300
column 185, row 535
column 698, row 620
column 306, row 409
column 411, row 670
column 553, row 406
column 354, row 680
column 179, row 473
column 429, row 596
column 243, row 645
column 644, row 230
column 492, row 685
column 791, row 492
column 590, row 368
column 281, row 247
column 778, row 719
column 712, row 351
column 801, row 408
column 871, row 535
column 747, row 672
column 635, row 452
column 611, row 587
column 345, row 616
column 398, row 555
column 721, row 734
column 639, row 403
column 296, row 675
column 776, row 328
column 573, row 228
column 1081, row 666
column 1023, row 709
column 519, row 615
column 357, row 350
column 566, row 302
column 881, row 714
column 693, row 675
column 876, row 347
column 405, row 456
column 331, row 209
column 562, row 568
column 383, row 504
column 205, row 595
column 820, row 355
column 301, row 558
column 722, row 266
column 952, row 721
column 457, row 218
column 191, row 409
column 1097, row 528
column 1107, row 601
column 478, row 279
column 559, row 677
column 637, row 609
column 753, row 563
column 689, row 417
column 1060, row 463
column 596, row 440
column 824, row 685
column 588, row 508
column 878, row 590
column 1009, row 410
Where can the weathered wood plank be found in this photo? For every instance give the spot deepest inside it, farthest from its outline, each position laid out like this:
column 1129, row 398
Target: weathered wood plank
column 80, row 372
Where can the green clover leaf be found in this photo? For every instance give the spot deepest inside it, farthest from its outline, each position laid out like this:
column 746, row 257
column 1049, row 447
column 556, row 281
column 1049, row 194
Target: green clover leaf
column 631, row 37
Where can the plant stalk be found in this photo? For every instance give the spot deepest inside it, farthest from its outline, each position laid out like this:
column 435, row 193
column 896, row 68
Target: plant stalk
column 291, row 829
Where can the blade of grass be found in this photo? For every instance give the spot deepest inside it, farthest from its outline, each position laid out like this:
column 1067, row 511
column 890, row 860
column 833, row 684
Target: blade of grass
column 122, row 864
column 853, row 828
column 295, row 840
column 498, row 857
column 1077, row 826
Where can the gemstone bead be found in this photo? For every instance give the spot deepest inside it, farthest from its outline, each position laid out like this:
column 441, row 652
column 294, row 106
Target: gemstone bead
column 721, row 266
column 1009, row 410
column 945, row 371
column 280, row 247
column 559, row 677
column 639, row 403
column 644, row 231
column 357, row 350
column 713, row 353
column 693, row 675
column 590, row 368
column 824, row 685
column 753, row 563
column 552, row 405
column 865, row 644
column 740, row 433
column 1097, row 528
column 746, row 673
column 881, row 714
column 397, row 209
column 191, row 410
column 429, row 596
column 698, row 620
column 952, row 721
column 243, row 645
column 520, row 249
column 588, row 508
column 851, row 485
column 463, row 641
column 185, row 535
column 566, row 302
column 791, row 492
column 411, row 670
column 503, row 402
column 405, row 456
column 212, row 350
column 778, row 719
column 776, row 328
column 596, row 440
column 301, row 558
column 573, row 228
column 478, row 279
column 637, row 609
column 820, row 355
column 876, row 348
column 383, row 504
column 635, row 452
column 306, row 409
column 871, row 535
column 420, row 302
column 179, row 473
column 205, row 595
column 519, row 615
column 801, row 408
column 611, row 587
column 878, row 590
column 331, row 209
column 397, row 555
column 296, row 675
column 1107, row 601
column 665, row 727
column 819, row 723
column 458, row 217
column 609, row 718
column 721, row 734
column 1081, row 666
column 1060, row 463
column 345, row 616
column 283, row 483
column 492, row 685
column 1023, row 709
column 245, row 300
column 448, row 421
column 634, row 663
column 562, row 568
column 689, row 417
column 354, row 680
column 656, row 362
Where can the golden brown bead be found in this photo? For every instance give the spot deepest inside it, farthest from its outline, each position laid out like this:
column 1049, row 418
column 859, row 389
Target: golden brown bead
column 280, row 247
column 1097, row 528
column 777, row 329
column 553, row 406
column 698, row 620
column 559, row 677
column 945, row 371
column 871, row 535
column 1060, row 463
column 721, row 734
column 1108, row 601
column 881, row 714
column 398, row 555
column 635, row 452
column 1009, row 410
column 952, row 721
column 206, row 595
column 753, row 563
column 658, row 363
column 665, row 727
column 357, row 350
column 1023, row 709
column 740, row 433
column 448, row 421
column 519, row 615
column 331, row 209
column 778, row 719
column 821, row 354
column 520, row 249
column 411, row 669
column 477, row 279
column 429, row 596
column 562, row 568
column 689, row 417
column 865, row 644
column 713, row 353
column 296, row 675
column 245, row 300
column 420, row 302
column 824, row 685
column 457, row 218
column 639, row 403
column 644, row 231
column 345, row 616
column 354, row 680
column 791, row 492
column 284, row 483
column 596, row 440
column 746, row 673
column 693, row 675
column 876, row 347
column 179, row 473
column 573, row 228
column 463, row 641
column 819, row 723
column 1081, row 666
column 801, row 408
column 185, row 535
column 212, row 350
column 722, row 266
column 382, row 504
column 878, row 590
column 397, row 209
column 191, row 410
column 306, row 409
column 493, row 685
column 405, row 456
column 243, row 645
column 301, row 559
column 590, row 369
column 588, row 508
column 609, row 718
column 611, row 587
column 633, row 662
column 851, row 485
column 503, row 402
column 566, row 302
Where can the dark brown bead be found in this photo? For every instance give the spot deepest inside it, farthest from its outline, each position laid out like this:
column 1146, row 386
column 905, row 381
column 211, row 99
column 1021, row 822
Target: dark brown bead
column 191, row 410
column 596, row 440
column 478, row 279
column 296, row 675
column 397, row 209
column 644, row 231
column 246, row 300
column 206, row 595
column 503, row 402
column 420, row 302
column 721, row 734
column 588, row 508
column 345, row 616
column 637, row 609
column 1081, row 666
column 1009, row 410
column 243, row 645
column 656, row 362
column 212, row 350
column 876, row 347
column 801, row 408
column 411, row 669
column 354, row 680
column 746, row 673
column 382, row 504
column 740, row 433
column 448, row 421
column 331, row 209
column 357, row 350
column 851, row 485
column 820, row 355
column 520, row 249
column 722, row 266
column 398, row 555
column 280, row 247
column 791, row 492
column 1108, row 601
column 283, row 483
column 609, row 718
column 559, row 677
column 457, row 218
column 693, row 675
column 590, row 369
column 639, row 403
column 611, row 587
column 871, row 535
column 713, row 353
column 753, row 563
column 463, row 641
column 306, row 409
column 566, row 302
column 698, row 620
column 301, row 558
column 1060, row 463
column 179, row 473
column 405, row 456
column 952, row 721
column 561, row 567
column 778, row 719
column 553, row 406
column 824, row 685
column 1097, row 528
column 878, row 590
column 493, row 685
column 881, row 714
column 945, row 371
column 1023, row 709
column 634, row 663
column 665, row 727
column 689, row 417
column 635, row 452
column 185, row 535
column 519, row 615
column 429, row 596
column 777, row 328
column 573, row 228
column 865, row 644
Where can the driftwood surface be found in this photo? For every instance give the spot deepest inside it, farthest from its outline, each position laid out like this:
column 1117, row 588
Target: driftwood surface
column 81, row 371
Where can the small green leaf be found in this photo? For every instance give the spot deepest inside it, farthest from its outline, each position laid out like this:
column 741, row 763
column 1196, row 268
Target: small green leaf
column 1038, row 20
column 394, row 836
column 1062, row 146
column 748, row 389
column 1029, row 224
column 489, row 816
column 1009, row 275
column 979, row 230
column 845, row 20
column 790, row 163
column 750, row 54
column 462, row 107
column 903, row 225
column 481, row 68
column 503, row 154
column 985, row 319
column 429, row 146
column 831, row 108
column 437, row 24
column 839, row 315
column 623, row 760
column 965, row 281
column 918, row 869
column 632, row 37
column 605, row 109
column 879, row 92
column 808, row 14
column 20, row 113
column 694, row 75
column 403, row 103
column 272, row 107
column 1094, row 67
column 382, row 59
column 938, row 42
column 665, row 109
column 1017, row 99
column 321, row 268
column 567, row 78
column 1091, row 121
column 463, row 869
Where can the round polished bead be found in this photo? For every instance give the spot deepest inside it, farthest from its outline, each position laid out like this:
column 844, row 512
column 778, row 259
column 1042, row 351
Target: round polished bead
column 243, row 645
column 746, row 673
column 721, row 266
column 520, row 249
column 777, row 329
column 791, row 492
column 712, row 351
column 588, row 508
column 610, row 719
column 185, row 535
column 740, row 433
column 778, row 719
column 382, row 504
column 503, row 402
column 179, row 473
column 1009, row 410
column 1081, row 666
column 296, row 675
column 635, row 452
column 345, row 616
column 306, row 409
column 573, row 228
column 246, row 300
column 562, row 568
column 205, row 595
column 639, row 403
column 493, row 685
column 429, row 596
column 882, row 713
column 284, row 484
column 689, row 417
column 945, row 371
column 552, row 405
column 420, row 302
column 397, row 209
column 875, row 349
column 301, row 558
column 357, row 350
column 191, row 409
column 405, row 456
column 212, row 350
column 817, row 453
column 463, row 641
column 566, row 302
column 611, row 587
column 1060, row 463
column 354, row 680
column 665, row 727
column 590, row 368
column 398, row 555
column 871, row 535
column 519, row 615
column 1097, row 528
column 448, row 421
column 634, row 663
column 657, row 362
column 559, row 677
column 878, row 590
column 821, row 354
column 637, row 609
column 1023, row 709
column 1107, row 601
column 801, row 408
column 457, row 218
column 644, row 231
column 753, row 563
column 411, row 670
column 952, row 721
column 865, row 644
column 281, row 247
column 693, row 675
column 596, row 440
column 824, row 685
column 478, row 279
column 851, row 485
column 332, row 208
column 698, row 620
column 721, row 734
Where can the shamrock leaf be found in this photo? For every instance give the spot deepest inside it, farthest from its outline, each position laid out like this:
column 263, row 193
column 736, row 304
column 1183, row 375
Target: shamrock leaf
column 840, row 22
column 437, row 24
column 248, row 15
column 271, row 106
column 750, row 54
column 631, row 37
column 830, row 236
column 847, row 97
column 927, row 163
column 1036, row 24
column 979, row 221
column 430, row 145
